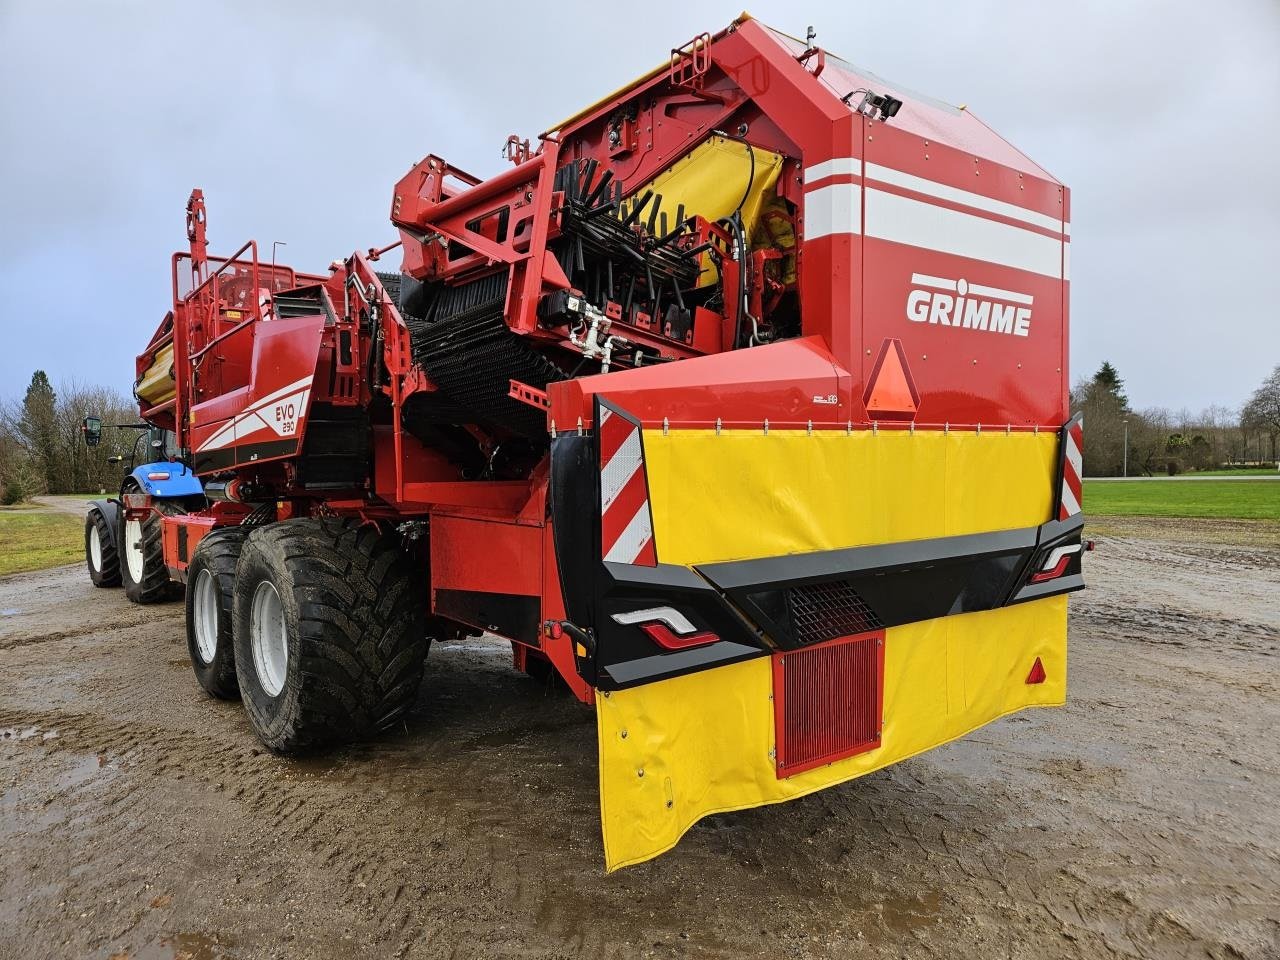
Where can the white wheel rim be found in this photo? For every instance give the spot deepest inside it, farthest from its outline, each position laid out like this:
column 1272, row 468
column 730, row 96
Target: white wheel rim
column 95, row 548
column 267, row 638
column 133, row 548
column 205, row 616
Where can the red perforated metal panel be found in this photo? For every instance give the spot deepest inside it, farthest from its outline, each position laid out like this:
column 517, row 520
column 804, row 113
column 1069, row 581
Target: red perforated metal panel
column 828, row 701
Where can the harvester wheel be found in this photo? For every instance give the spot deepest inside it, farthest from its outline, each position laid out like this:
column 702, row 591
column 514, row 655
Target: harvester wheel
column 100, row 554
column 329, row 632
column 211, row 578
column 142, row 569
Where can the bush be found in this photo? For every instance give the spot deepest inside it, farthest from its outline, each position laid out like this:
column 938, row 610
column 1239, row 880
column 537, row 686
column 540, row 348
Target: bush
column 14, row 492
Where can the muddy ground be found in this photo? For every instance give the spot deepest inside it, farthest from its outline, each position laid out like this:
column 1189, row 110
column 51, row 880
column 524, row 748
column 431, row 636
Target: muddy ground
column 140, row 819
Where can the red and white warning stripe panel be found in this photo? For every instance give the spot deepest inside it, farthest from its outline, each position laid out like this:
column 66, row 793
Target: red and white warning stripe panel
column 1072, row 469
column 626, row 522
column 844, row 196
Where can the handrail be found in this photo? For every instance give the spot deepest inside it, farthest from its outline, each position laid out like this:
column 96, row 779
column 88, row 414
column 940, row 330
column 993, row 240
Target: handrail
column 220, row 337
column 255, row 307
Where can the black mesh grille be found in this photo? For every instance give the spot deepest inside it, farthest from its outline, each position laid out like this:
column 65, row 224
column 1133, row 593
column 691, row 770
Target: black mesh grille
column 824, row 611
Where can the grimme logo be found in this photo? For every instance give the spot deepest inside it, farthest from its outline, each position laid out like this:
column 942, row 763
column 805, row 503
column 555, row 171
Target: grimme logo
column 957, row 303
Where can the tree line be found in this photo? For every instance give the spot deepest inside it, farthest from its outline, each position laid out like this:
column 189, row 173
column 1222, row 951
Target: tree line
column 42, row 448
column 1119, row 439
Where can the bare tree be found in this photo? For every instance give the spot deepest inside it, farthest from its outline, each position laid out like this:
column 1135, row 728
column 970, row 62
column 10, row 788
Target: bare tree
column 42, row 446
column 1262, row 412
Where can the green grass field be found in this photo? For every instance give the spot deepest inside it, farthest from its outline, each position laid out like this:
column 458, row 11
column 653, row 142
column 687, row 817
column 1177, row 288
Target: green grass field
column 33, row 541
column 1240, row 499
column 1242, row 472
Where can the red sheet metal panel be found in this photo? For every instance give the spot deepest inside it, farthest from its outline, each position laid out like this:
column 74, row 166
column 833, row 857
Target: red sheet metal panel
column 828, row 701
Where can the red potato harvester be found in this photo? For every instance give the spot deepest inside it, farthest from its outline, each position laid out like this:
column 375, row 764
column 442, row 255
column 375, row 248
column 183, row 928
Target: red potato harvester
column 739, row 401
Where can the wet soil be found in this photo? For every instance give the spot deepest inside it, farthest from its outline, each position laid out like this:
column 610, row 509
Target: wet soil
column 140, row 819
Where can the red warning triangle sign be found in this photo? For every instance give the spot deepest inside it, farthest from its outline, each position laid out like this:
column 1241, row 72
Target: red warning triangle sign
column 1037, row 672
column 891, row 392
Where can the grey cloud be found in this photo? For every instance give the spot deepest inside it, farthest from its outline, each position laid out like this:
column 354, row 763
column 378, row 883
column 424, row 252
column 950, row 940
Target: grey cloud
column 297, row 119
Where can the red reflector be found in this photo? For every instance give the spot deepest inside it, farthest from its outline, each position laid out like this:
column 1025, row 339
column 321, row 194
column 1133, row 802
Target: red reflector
column 157, row 476
column 1037, row 672
column 1058, row 570
column 668, row 639
column 891, row 393
column 828, row 702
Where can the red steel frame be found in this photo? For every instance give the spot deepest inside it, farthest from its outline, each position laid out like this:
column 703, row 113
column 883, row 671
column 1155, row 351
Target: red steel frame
column 852, row 285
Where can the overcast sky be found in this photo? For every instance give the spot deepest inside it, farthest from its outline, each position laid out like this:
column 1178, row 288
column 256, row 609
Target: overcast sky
column 297, row 119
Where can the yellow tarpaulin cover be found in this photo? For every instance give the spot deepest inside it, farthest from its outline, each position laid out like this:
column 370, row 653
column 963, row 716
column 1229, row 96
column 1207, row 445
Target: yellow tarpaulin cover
column 713, row 179
column 701, row 743
column 156, row 383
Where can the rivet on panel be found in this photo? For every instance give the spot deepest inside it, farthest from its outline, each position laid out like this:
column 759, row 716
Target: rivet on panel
column 623, row 734
column 640, row 772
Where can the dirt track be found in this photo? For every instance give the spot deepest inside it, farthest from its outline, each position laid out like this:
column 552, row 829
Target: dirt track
column 140, row 819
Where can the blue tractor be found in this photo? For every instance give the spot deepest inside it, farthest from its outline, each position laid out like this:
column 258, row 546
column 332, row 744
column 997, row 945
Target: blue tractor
column 120, row 549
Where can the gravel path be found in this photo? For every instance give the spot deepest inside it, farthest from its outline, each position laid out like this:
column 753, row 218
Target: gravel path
column 140, row 819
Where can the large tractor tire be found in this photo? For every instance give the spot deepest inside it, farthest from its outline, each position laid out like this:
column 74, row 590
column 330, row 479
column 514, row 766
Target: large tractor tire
column 100, row 553
column 211, row 578
column 142, row 569
column 330, row 632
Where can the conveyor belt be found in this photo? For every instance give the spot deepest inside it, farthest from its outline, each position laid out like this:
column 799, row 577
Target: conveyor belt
column 467, row 349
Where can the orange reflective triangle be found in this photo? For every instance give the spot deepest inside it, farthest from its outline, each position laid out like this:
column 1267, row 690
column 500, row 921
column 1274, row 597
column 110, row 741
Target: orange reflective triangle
column 890, row 389
column 1037, row 672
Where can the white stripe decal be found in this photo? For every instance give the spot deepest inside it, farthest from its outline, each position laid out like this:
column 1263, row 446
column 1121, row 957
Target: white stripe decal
column 273, row 397
column 243, row 423
column 245, row 426
column 226, row 433
column 832, row 168
column 633, row 538
column 1073, row 455
column 920, row 224
column 833, row 209
column 938, row 283
column 672, row 617
column 955, row 195
column 977, row 289
column 1069, row 501
column 621, row 468
column 1058, row 553
column 995, row 293
column 605, row 414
